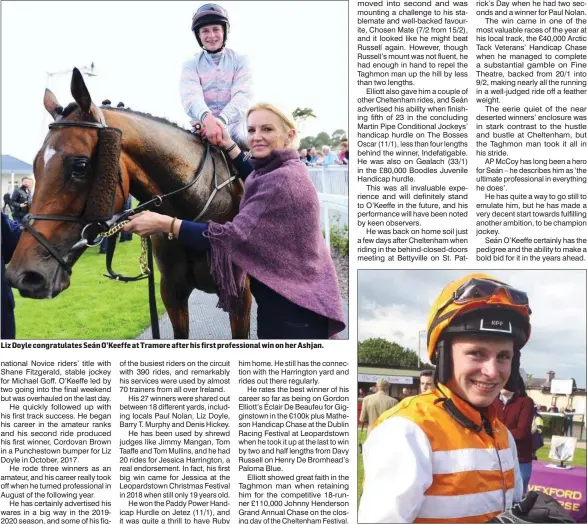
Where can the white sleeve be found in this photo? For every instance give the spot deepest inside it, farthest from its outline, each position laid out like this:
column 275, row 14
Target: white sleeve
column 191, row 92
column 519, row 484
column 397, row 460
column 241, row 93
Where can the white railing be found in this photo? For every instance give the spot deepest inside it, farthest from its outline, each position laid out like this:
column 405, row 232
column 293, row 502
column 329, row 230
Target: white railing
column 332, row 180
column 332, row 185
column 337, row 203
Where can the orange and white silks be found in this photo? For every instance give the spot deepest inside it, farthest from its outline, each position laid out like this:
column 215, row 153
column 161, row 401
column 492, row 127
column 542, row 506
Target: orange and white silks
column 421, row 465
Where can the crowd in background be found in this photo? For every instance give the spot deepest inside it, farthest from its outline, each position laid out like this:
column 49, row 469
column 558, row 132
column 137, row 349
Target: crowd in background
column 20, row 200
column 325, row 157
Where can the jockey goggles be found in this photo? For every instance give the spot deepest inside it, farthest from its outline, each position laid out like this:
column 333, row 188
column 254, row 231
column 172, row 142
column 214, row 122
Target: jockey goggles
column 479, row 288
column 211, row 7
column 476, row 295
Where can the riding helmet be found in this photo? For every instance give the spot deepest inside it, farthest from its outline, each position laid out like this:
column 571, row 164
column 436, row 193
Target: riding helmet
column 477, row 304
column 210, row 14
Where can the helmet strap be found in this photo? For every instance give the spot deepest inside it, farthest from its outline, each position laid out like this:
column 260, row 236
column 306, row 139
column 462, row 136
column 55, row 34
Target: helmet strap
column 443, row 370
column 454, row 412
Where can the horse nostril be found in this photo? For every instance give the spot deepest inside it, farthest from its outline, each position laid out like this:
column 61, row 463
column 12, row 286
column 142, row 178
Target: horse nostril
column 32, row 280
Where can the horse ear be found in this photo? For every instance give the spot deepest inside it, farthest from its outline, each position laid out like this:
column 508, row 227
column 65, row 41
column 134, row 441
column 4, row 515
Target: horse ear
column 51, row 104
column 79, row 91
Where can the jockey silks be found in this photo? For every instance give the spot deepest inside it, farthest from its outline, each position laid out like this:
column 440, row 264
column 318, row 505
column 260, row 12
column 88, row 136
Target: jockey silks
column 218, row 83
column 422, row 465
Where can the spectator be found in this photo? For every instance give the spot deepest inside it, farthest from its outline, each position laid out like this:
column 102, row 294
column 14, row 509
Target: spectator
column 21, row 200
column 568, row 422
column 125, row 235
column 6, row 202
column 537, row 437
column 329, row 157
column 313, row 156
column 304, row 156
column 319, row 158
column 516, row 411
column 375, row 405
column 426, row 380
column 10, row 236
column 405, row 393
column 343, row 156
column 215, row 84
column 361, row 393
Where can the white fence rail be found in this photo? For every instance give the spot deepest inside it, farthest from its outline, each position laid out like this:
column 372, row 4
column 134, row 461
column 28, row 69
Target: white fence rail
column 328, row 203
column 332, row 185
column 330, row 180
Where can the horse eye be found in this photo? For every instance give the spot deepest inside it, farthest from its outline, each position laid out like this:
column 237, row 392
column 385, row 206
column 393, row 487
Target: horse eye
column 79, row 168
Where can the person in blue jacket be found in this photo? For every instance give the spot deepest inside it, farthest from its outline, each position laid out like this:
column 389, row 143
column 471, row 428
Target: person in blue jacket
column 10, row 236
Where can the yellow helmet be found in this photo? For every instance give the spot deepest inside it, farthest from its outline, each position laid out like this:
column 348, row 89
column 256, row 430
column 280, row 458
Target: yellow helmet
column 478, row 303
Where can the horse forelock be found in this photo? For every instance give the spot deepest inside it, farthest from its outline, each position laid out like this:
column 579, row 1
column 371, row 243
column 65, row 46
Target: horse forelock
column 69, row 109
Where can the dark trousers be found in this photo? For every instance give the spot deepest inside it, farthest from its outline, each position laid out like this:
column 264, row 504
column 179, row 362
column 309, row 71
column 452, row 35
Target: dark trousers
column 279, row 318
column 8, row 324
column 269, row 327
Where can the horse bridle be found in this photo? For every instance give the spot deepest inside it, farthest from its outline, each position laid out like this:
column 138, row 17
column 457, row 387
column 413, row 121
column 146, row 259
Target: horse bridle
column 29, row 219
column 156, row 201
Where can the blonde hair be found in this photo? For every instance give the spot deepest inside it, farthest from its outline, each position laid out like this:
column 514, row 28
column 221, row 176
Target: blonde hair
column 287, row 121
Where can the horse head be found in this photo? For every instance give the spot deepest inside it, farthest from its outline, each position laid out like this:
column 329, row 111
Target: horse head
column 79, row 185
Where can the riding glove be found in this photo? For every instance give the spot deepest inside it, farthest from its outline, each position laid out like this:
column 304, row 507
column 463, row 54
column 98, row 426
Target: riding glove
column 535, row 507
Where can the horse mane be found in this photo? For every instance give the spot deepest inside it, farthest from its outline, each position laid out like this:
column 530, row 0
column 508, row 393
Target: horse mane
column 148, row 116
column 73, row 106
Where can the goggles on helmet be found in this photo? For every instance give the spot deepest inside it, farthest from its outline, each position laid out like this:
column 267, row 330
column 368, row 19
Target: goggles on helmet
column 212, row 7
column 479, row 288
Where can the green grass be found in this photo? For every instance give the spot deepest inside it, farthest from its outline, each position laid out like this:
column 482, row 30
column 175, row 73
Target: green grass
column 360, row 471
column 93, row 307
column 580, row 459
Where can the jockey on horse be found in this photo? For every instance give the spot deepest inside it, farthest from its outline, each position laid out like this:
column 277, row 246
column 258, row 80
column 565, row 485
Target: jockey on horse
column 215, row 84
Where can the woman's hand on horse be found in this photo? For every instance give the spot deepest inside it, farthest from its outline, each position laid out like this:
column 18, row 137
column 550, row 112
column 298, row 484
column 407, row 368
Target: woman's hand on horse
column 227, row 141
column 147, row 223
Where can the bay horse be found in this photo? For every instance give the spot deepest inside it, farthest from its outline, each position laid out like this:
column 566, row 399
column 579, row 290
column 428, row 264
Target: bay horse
column 80, row 173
